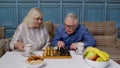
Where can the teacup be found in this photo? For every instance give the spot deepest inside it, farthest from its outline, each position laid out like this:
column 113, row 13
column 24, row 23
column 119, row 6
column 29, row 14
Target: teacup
column 28, row 48
column 79, row 49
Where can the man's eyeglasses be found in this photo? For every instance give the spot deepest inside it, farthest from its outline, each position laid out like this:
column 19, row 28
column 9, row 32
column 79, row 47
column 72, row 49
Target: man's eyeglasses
column 69, row 26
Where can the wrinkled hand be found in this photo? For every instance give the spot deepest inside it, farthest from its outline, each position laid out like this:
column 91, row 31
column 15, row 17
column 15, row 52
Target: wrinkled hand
column 19, row 46
column 61, row 44
column 73, row 46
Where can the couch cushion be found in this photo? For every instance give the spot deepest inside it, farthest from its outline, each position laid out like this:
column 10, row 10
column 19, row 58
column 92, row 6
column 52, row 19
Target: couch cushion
column 105, row 33
column 50, row 28
column 105, row 40
column 55, row 26
column 1, row 47
column 2, row 32
column 101, row 28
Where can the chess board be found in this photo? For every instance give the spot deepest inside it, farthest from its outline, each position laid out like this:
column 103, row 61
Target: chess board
column 51, row 53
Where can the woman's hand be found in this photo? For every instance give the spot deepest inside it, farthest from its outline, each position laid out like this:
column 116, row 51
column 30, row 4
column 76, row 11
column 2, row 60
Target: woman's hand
column 19, row 46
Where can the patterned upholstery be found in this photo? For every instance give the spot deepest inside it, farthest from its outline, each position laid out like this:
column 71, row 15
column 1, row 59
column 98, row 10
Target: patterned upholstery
column 2, row 32
column 101, row 28
column 50, row 28
column 1, row 48
column 4, row 46
column 105, row 33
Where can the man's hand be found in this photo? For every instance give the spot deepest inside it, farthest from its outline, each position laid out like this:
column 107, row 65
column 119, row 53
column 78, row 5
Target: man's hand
column 61, row 44
column 77, row 45
column 73, row 46
column 19, row 46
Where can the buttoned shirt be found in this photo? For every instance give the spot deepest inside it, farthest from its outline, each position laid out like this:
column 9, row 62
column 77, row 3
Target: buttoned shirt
column 81, row 34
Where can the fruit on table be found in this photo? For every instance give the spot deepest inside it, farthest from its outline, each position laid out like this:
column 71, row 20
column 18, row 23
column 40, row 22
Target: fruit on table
column 92, row 55
column 99, row 59
column 96, row 54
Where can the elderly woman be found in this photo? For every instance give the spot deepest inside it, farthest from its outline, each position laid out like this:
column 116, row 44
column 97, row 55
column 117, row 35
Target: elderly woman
column 31, row 31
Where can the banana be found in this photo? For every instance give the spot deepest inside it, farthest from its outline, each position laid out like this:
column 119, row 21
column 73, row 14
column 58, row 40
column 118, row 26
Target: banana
column 106, row 54
column 99, row 59
column 89, row 49
column 101, row 54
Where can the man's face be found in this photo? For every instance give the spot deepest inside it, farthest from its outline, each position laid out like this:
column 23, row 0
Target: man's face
column 70, row 26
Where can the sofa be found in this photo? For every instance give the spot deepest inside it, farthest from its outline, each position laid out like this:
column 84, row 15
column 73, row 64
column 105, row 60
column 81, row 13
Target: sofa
column 105, row 34
column 2, row 32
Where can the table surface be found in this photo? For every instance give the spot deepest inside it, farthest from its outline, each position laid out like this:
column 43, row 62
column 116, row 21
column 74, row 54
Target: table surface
column 16, row 60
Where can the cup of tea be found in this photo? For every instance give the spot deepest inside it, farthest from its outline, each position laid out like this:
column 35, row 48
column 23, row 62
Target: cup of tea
column 28, row 48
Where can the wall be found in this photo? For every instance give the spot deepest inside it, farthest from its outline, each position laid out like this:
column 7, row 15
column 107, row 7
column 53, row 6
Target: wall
column 12, row 12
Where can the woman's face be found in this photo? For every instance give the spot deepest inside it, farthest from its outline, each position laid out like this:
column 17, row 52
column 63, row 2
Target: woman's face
column 38, row 21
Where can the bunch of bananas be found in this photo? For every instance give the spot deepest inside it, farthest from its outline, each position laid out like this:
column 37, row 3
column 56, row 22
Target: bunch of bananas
column 102, row 56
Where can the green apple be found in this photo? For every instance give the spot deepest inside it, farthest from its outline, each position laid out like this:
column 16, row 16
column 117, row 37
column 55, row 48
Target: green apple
column 92, row 55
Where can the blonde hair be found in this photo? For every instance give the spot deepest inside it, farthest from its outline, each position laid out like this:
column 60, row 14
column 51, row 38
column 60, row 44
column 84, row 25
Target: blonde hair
column 33, row 13
column 72, row 16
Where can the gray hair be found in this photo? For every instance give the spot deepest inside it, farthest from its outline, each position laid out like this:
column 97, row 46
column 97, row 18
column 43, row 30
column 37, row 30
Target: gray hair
column 72, row 16
column 33, row 13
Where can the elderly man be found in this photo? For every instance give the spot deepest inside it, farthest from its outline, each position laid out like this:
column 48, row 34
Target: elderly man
column 72, row 34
